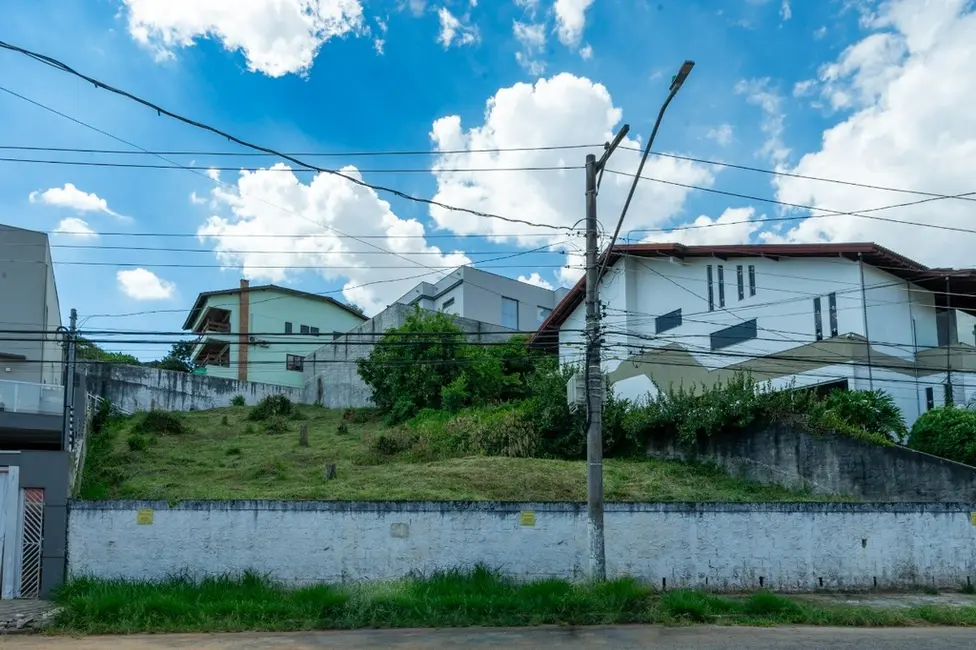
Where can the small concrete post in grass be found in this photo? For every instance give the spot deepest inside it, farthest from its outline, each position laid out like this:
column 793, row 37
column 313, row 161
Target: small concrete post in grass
column 330, row 471
column 303, row 435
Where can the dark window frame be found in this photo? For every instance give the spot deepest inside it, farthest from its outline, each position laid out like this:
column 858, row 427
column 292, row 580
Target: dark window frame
column 447, row 304
column 734, row 334
column 288, row 328
column 711, row 288
column 832, row 308
column 294, row 362
column 752, row 280
column 314, row 331
column 304, row 329
column 740, row 282
column 929, row 398
column 720, row 278
column 667, row 321
column 817, row 319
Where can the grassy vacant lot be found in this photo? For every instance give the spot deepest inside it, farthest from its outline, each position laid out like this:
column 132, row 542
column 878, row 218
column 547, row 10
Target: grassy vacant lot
column 220, row 454
column 453, row 599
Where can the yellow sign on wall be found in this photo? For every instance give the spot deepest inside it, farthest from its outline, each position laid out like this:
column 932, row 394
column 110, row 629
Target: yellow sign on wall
column 527, row 518
column 144, row 517
column 972, row 518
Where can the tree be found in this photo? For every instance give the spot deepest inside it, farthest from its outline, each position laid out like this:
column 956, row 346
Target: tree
column 179, row 358
column 85, row 350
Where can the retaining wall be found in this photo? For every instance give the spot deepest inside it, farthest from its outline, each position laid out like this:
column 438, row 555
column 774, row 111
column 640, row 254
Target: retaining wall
column 137, row 388
column 787, row 547
column 831, row 464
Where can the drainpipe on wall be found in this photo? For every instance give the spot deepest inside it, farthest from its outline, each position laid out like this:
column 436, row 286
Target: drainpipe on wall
column 243, row 318
column 911, row 317
column 864, row 310
column 950, row 398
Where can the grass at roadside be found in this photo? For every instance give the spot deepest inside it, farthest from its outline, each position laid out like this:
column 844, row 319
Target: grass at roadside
column 451, row 599
column 220, row 454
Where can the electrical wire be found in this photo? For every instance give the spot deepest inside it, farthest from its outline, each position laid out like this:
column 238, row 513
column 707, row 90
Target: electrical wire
column 58, row 65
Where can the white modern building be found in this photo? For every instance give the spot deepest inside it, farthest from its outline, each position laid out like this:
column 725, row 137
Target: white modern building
column 486, row 297
column 809, row 315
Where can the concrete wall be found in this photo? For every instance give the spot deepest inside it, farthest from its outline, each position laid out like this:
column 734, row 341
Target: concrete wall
column 831, row 465
column 332, row 374
column 788, row 547
column 48, row 470
column 135, row 388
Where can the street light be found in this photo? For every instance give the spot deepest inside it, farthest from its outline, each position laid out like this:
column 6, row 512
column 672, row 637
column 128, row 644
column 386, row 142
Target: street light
column 676, row 82
column 593, row 364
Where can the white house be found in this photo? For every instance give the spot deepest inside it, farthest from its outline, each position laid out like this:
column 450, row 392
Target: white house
column 263, row 333
column 799, row 314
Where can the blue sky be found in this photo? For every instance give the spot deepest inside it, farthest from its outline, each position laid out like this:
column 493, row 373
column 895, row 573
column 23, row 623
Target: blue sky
column 832, row 89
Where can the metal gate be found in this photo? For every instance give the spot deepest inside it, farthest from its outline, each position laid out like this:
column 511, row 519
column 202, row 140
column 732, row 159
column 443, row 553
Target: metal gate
column 32, row 519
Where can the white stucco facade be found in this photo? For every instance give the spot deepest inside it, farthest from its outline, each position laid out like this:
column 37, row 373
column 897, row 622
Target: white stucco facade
column 786, row 547
column 780, row 297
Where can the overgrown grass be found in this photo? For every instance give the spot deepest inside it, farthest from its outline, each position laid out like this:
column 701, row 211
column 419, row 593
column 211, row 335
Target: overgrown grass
column 221, row 455
column 449, row 599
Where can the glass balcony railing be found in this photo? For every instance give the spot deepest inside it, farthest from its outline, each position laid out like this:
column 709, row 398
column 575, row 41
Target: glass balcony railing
column 27, row 397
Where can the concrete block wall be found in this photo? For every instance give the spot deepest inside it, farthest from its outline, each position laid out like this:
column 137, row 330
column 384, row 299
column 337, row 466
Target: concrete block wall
column 724, row 547
column 137, row 388
column 830, row 464
column 332, row 375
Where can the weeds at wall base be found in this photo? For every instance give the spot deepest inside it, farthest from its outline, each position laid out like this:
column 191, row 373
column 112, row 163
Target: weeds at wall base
column 478, row 597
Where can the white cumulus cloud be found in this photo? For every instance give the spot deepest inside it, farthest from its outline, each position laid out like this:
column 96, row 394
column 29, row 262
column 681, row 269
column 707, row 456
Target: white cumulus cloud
column 721, row 134
column 532, row 39
column 71, row 197
column 535, row 280
column 456, row 31
column 273, row 219
column 550, row 112
column 75, row 227
column 733, row 226
column 276, row 37
column 911, row 126
column 571, row 20
column 761, row 93
column 143, row 284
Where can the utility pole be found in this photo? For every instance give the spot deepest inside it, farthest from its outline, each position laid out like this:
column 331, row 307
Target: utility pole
column 69, row 381
column 594, row 367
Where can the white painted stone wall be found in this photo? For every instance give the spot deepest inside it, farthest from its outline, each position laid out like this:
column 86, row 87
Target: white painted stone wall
column 787, row 547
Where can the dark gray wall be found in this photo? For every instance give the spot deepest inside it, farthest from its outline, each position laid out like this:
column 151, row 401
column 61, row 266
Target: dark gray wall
column 831, row 464
column 48, row 470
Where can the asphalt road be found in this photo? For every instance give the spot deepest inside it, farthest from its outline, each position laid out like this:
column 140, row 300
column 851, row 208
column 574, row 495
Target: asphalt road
column 618, row 637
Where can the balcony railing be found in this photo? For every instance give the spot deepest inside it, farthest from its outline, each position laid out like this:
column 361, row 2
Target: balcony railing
column 28, row 397
column 212, row 327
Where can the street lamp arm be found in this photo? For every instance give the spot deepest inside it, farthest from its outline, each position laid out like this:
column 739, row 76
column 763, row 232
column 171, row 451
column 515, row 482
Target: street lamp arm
column 640, row 168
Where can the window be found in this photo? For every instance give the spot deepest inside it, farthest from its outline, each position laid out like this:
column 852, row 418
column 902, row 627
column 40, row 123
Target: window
column 544, row 313
column 314, row 331
column 721, row 286
column 510, row 313
column 740, row 282
column 945, row 322
column 447, row 304
column 304, row 329
column 929, row 399
column 667, row 321
column 817, row 319
column 287, row 327
column 711, row 289
column 752, row 280
column 294, row 362
column 832, row 306
column 947, row 390
column 735, row 334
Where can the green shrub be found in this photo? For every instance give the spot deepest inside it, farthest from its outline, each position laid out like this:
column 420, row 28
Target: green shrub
column 238, row 400
column 871, row 411
column 360, row 415
column 949, row 432
column 270, row 406
column 224, row 421
column 276, row 424
column 156, row 422
column 137, row 442
column 496, row 431
column 395, row 442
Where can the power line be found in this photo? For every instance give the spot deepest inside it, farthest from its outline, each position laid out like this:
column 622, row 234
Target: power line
column 167, row 249
column 58, row 65
column 445, row 152
column 829, row 212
